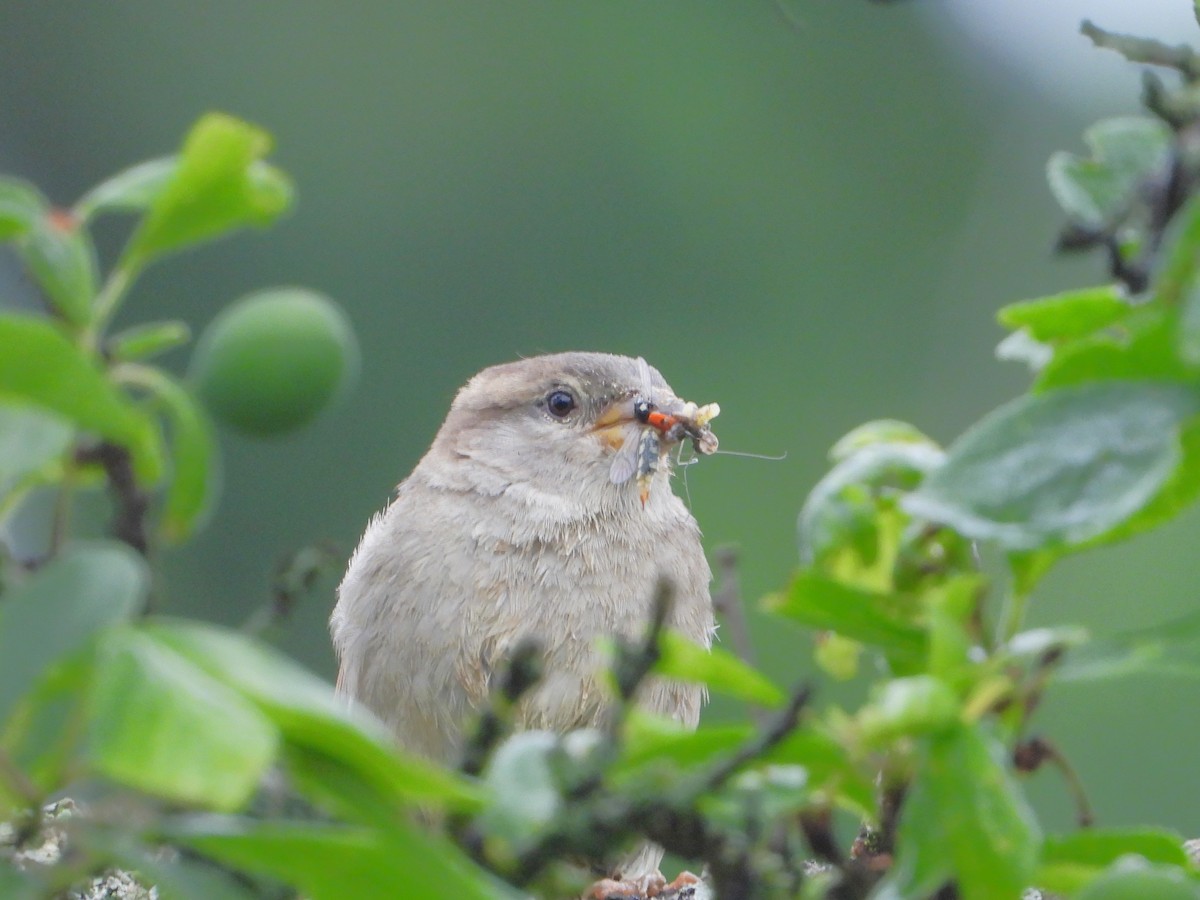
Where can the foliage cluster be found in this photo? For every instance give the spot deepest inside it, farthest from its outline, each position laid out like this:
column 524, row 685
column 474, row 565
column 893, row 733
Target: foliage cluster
column 213, row 767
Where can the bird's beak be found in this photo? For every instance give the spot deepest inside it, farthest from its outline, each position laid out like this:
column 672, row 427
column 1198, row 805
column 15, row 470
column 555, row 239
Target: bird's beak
column 611, row 424
column 672, row 418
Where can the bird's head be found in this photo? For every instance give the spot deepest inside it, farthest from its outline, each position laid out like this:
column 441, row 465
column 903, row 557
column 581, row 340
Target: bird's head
column 555, row 426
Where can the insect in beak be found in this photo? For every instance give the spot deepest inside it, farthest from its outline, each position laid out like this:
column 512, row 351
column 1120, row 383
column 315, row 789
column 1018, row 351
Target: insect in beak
column 661, row 425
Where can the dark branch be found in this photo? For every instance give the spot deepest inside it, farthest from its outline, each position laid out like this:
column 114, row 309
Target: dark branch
column 130, row 501
column 1146, row 50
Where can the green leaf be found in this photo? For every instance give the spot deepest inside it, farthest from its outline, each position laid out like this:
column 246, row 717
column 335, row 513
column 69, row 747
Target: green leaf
column 965, row 818
column 309, row 715
column 1133, row 146
column 1188, row 339
column 1143, row 350
column 30, row 440
column 216, row 188
column 1020, row 347
column 137, row 188
column 1133, row 879
column 133, row 190
column 17, row 885
column 830, row 768
column 59, row 253
column 174, row 875
column 20, row 207
column 1071, row 861
column 840, row 507
column 195, row 482
column 921, row 704
column 1088, row 191
column 652, row 740
column 862, row 615
column 40, row 366
column 151, row 339
column 766, row 794
column 524, row 786
column 722, row 671
column 1037, row 642
column 60, row 607
column 1061, row 467
column 1071, row 314
column 1171, row 649
column 1179, row 492
column 879, row 431
column 161, row 724
column 1125, row 151
column 332, row 862
column 1177, row 276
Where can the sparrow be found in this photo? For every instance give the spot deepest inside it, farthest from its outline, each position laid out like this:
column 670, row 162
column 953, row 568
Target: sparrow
column 522, row 521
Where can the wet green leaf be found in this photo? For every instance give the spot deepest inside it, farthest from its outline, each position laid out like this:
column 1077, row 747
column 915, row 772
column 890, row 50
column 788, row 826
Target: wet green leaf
column 1179, row 492
column 40, row 366
column 1061, row 467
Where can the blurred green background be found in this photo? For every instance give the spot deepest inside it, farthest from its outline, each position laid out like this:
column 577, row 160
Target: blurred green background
column 809, row 217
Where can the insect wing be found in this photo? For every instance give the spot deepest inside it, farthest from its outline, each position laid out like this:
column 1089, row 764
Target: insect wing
column 625, row 463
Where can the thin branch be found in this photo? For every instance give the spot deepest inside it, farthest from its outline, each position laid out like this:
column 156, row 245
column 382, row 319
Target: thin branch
column 784, row 724
column 523, row 671
column 1145, row 50
column 1031, row 754
column 130, row 501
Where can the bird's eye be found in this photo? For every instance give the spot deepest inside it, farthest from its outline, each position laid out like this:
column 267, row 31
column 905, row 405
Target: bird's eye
column 560, row 403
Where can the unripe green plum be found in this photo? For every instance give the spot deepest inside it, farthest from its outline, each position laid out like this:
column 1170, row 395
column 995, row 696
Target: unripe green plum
column 271, row 361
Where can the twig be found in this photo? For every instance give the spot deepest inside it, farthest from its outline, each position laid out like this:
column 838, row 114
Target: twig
column 632, row 665
column 130, row 501
column 1029, row 755
column 523, row 671
column 784, row 724
column 727, row 601
column 1145, row 50
column 295, row 575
